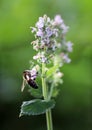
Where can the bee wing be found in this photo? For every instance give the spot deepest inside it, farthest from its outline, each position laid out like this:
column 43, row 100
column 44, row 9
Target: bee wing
column 23, row 85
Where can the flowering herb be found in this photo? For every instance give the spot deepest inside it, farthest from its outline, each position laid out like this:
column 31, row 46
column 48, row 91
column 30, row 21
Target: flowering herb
column 52, row 52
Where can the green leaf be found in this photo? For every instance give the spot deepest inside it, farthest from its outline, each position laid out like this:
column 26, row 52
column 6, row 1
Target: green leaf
column 37, row 93
column 36, row 107
column 51, row 71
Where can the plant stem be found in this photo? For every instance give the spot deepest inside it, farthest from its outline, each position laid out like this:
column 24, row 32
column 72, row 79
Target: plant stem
column 45, row 95
column 49, row 120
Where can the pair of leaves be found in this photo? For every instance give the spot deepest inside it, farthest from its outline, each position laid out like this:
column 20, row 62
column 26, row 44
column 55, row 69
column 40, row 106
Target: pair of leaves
column 36, row 107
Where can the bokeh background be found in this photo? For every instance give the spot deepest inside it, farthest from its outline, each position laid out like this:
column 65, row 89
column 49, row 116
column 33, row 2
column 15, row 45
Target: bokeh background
column 73, row 109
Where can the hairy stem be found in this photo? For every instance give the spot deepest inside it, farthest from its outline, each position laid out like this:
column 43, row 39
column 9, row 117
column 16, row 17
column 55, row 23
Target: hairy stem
column 45, row 95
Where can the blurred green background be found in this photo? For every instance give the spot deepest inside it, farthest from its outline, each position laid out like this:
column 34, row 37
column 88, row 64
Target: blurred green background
column 73, row 109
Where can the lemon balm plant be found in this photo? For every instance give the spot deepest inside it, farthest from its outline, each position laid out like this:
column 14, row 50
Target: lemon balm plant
column 52, row 51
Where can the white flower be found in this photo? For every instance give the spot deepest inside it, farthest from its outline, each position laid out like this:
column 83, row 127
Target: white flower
column 48, row 19
column 59, row 74
column 33, row 29
column 37, row 56
column 57, row 78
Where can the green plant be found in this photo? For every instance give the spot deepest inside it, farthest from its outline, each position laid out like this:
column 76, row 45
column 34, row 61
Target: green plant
column 52, row 52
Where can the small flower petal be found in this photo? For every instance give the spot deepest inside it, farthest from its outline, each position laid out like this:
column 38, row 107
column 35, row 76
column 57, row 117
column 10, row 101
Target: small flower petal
column 66, row 58
column 69, row 46
column 58, row 20
column 49, row 32
column 39, row 33
column 64, row 28
column 40, row 23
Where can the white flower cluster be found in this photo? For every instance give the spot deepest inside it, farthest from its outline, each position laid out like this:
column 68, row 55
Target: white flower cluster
column 50, row 39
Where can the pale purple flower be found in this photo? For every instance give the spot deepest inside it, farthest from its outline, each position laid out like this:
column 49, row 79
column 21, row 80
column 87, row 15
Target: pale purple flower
column 33, row 73
column 64, row 28
column 55, row 32
column 46, row 40
column 35, row 45
column 42, row 42
column 40, row 23
column 58, row 20
column 50, row 38
column 49, row 32
column 39, row 33
column 66, row 58
column 69, row 46
column 43, row 59
column 53, row 47
column 35, row 42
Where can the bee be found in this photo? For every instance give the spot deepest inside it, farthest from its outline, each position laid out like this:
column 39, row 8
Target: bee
column 29, row 78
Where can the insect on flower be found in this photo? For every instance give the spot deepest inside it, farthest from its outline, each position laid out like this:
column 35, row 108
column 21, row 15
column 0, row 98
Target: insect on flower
column 29, row 77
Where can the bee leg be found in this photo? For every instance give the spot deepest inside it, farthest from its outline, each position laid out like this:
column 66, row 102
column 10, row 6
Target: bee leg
column 23, row 85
